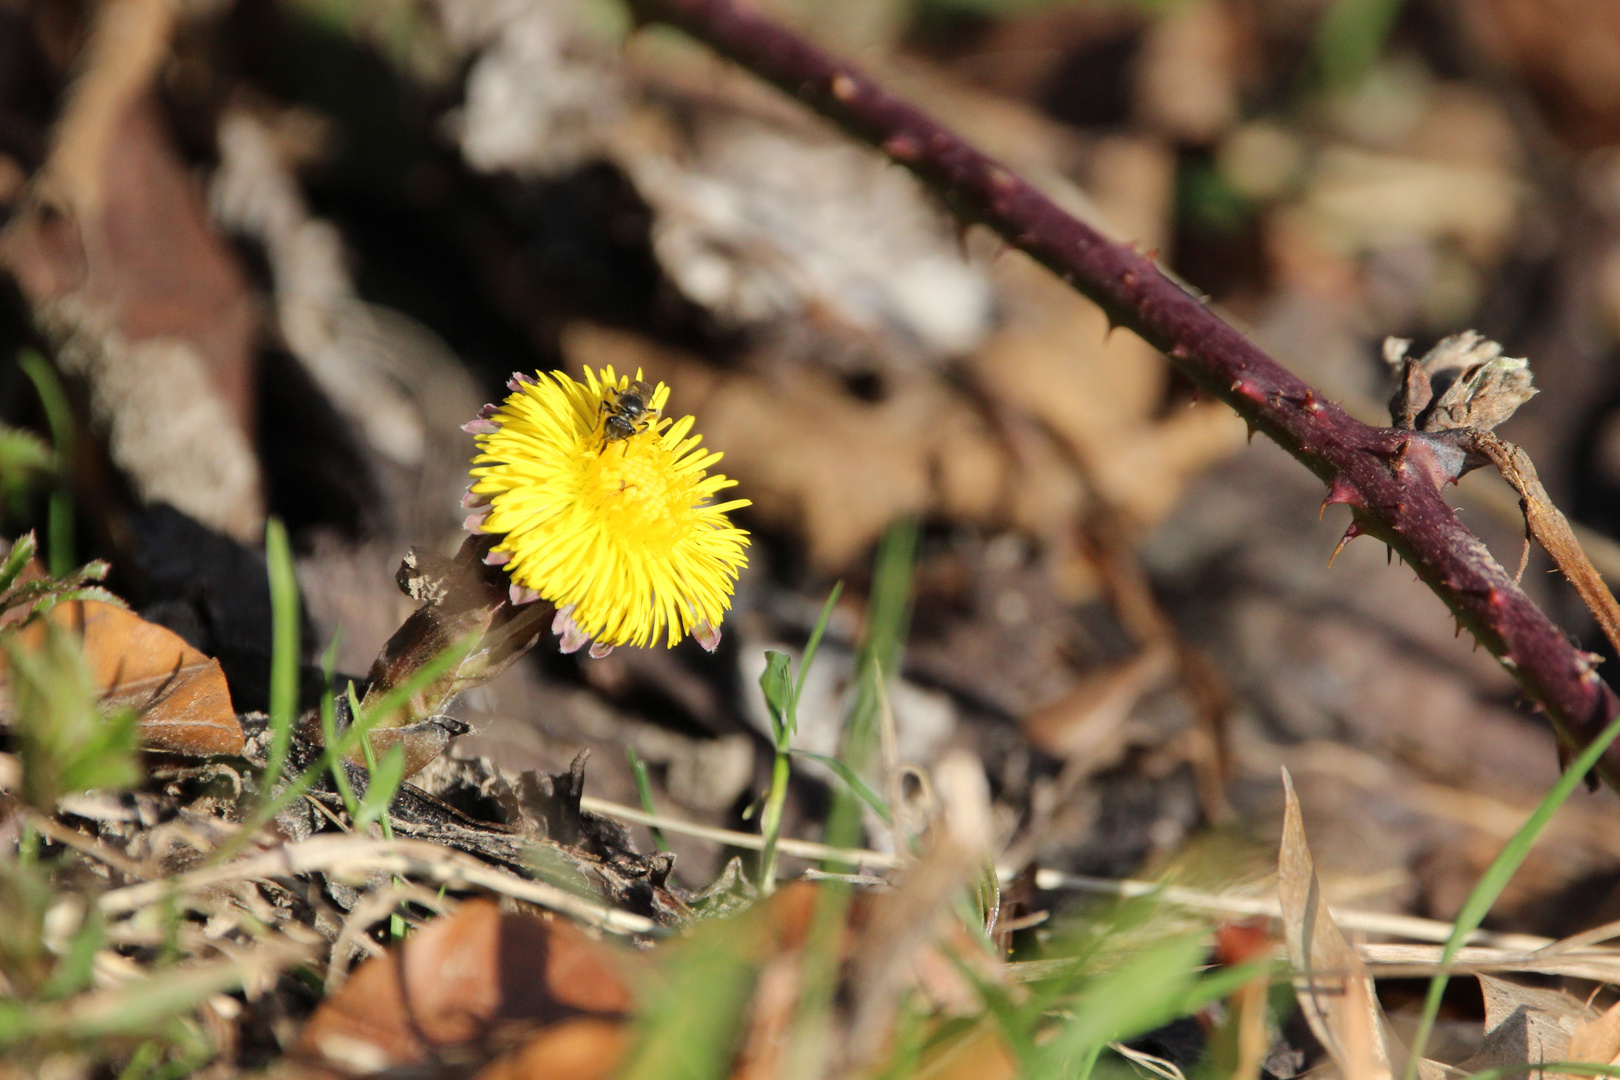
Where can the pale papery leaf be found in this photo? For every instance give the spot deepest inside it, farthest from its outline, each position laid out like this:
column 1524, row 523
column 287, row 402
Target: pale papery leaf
column 1334, row 990
column 1526, row 1024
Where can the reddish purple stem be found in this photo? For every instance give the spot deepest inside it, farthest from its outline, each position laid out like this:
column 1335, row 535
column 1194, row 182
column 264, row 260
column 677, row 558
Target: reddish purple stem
column 1390, row 491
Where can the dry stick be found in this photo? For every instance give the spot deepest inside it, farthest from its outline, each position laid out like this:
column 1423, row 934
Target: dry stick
column 1392, row 501
column 1369, row 922
column 1547, row 524
column 804, row 849
column 358, row 856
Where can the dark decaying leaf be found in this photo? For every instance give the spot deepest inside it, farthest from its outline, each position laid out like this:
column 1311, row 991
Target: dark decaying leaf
column 465, row 605
column 1462, row 383
column 472, row 986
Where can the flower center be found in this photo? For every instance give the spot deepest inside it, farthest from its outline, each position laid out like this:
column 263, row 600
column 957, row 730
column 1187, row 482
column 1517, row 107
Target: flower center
column 630, row 484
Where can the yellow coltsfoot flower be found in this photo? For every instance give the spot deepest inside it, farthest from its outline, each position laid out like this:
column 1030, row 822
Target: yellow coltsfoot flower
column 607, row 510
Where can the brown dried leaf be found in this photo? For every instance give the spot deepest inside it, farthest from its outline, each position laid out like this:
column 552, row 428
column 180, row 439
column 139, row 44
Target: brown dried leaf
column 1055, row 359
column 1568, row 55
column 572, row 1050
column 464, row 981
column 182, row 696
column 1086, row 724
column 1526, row 1025
column 980, row 1055
column 764, row 1052
column 1187, row 77
column 1597, row 1040
column 1334, row 990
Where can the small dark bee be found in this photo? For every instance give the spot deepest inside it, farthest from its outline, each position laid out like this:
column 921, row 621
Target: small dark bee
column 629, row 411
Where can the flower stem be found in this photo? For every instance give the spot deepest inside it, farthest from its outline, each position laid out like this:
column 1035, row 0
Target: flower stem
column 771, row 820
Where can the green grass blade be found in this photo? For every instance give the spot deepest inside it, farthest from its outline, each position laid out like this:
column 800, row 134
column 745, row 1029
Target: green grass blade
column 1137, row 997
column 59, row 417
column 73, row 971
column 21, row 551
column 638, row 770
column 813, row 644
column 856, row 784
column 387, row 773
column 400, row 696
column 22, row 455
column 1495, row 879
column 888, row 614
column 329, row 736
column 1578, row 1068
column 284, row 649
column 692, row 1010
column 1350, row 39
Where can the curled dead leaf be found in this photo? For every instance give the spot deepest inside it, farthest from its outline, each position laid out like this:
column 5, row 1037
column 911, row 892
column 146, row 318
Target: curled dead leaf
column 181, row 695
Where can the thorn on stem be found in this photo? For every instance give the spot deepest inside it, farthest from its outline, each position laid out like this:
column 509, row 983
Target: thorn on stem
column 1247, row 390
column 901, row 147
column 1350, row 534
column 1340, row 492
